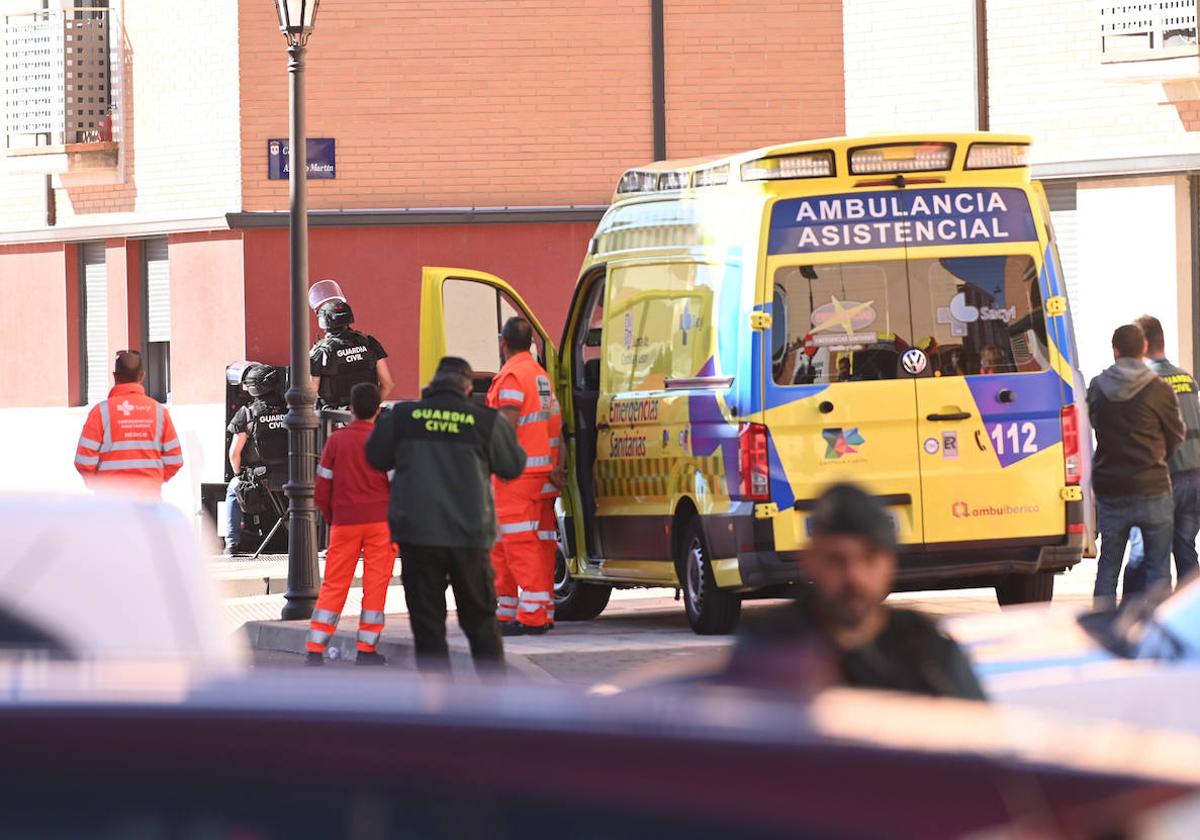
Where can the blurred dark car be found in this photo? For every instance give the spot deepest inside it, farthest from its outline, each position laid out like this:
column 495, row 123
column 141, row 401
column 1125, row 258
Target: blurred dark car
column 107, row 751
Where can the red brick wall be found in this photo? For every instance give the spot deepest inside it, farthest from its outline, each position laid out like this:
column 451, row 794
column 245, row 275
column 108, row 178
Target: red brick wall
column 528, row 102
column 743, row 74
column 456, row 103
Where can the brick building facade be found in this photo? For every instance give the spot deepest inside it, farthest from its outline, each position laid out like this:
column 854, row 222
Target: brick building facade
column 482, row 133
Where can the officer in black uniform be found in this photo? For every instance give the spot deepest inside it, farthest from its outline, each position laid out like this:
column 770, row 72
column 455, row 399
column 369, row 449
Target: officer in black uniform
column 345, row 357
column 259, row 439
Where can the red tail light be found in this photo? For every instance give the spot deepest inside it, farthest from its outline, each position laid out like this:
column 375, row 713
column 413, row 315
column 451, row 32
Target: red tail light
column 756, row 467
column 1072, row 460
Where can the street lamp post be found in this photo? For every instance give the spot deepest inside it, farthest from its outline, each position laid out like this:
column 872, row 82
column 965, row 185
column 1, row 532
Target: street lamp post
column 296, row 19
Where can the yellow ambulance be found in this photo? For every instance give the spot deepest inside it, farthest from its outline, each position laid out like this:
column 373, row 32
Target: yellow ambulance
column 748, row 330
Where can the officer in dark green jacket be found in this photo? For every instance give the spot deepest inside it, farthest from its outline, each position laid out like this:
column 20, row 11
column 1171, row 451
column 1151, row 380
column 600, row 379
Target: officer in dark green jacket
column 1184, row 466
column 444, row 450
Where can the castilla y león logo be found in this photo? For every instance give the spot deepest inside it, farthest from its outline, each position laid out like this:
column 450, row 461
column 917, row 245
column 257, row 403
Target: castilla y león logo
column 839, row 442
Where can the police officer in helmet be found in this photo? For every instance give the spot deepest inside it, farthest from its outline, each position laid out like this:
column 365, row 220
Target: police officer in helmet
column 259, row 439
column 345, row 357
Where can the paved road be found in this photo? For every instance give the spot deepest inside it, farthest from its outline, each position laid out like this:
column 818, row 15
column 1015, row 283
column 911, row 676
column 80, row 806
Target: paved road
column 646, row 628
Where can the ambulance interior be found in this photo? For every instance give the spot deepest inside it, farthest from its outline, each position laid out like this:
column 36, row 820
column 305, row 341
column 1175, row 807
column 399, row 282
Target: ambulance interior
column 586, row 354
column 474, row 316
column 853, row 321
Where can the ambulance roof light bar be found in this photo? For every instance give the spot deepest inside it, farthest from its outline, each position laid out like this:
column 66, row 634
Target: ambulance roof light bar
column 806, row 165
column 648, row 180
column 901, row 157
column 713, row 176
column 997, row 155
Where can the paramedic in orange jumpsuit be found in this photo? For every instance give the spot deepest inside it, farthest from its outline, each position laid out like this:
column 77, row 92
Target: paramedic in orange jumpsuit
column 128, row 444
column 523, row 556
column 353, row 497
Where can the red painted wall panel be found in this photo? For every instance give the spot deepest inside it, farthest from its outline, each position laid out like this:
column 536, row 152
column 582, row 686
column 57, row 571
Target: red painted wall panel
column 34, row 372
column 207, row 322
column 379, row 269
column 74, row 371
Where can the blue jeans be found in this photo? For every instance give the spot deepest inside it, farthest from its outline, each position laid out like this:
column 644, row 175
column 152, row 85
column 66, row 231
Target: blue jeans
column 1186, row 492
column 1118, row 515
column 233, row 514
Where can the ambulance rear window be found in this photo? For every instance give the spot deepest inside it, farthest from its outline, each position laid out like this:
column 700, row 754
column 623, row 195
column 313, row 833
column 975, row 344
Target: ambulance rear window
column 852, row 321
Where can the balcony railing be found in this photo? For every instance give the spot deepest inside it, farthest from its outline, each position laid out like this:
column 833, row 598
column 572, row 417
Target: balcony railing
column 1154, row 40
column 62, row 80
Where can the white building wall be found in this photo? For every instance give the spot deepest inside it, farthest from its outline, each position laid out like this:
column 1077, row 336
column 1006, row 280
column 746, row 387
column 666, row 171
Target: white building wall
column 910, row 66
column 1046, row 79
column 44, row 462
column 180, row 123
column 1126, row 262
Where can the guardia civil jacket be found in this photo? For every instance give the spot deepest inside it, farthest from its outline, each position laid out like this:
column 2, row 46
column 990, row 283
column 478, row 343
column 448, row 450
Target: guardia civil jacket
column 444, row 450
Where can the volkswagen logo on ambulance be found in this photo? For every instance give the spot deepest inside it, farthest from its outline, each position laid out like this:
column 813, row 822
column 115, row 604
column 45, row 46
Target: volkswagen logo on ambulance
column 914, row 361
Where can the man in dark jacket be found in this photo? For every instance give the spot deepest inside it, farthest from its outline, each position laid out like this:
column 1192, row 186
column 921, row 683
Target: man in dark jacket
column 1138, row 428
column 445, row 450
column 1184, row 466
column 841, row 631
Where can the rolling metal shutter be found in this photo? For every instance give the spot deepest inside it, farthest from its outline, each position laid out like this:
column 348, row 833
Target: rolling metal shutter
column 1061, row 195
column 95, row 322
column 158, row 291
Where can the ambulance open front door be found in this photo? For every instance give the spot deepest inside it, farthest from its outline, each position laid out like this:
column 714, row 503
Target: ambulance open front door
column 462, row 313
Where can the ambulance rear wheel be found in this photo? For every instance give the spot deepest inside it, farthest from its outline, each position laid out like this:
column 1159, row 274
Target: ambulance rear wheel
column 575, row 600
column 1025, row 589
column 711, row 610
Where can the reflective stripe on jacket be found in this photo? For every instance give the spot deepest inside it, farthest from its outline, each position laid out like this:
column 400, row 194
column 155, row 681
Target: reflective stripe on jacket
column 523, row 384
column 128, row 442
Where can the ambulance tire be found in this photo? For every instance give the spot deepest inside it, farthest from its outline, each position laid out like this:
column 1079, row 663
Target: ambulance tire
column 573, row 599
column 711, row 610
column 1025, row 589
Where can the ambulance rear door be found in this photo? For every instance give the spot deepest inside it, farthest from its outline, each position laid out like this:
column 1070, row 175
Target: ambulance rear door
column 839, row 406
column 989, row 402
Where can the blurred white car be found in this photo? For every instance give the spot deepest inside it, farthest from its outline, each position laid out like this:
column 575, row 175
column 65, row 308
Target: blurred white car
column 1140, row 664
column 105, row 578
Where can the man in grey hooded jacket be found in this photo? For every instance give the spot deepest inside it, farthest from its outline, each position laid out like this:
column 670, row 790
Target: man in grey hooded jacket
column 1138, row 426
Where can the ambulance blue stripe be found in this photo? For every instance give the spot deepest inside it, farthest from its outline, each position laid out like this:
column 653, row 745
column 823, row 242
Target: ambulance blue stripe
column 781, row 486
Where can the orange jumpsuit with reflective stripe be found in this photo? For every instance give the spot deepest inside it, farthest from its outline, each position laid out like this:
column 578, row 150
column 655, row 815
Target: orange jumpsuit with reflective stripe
column 548, row 521
column 128, row 444
column 524, row 571
column 353, row 497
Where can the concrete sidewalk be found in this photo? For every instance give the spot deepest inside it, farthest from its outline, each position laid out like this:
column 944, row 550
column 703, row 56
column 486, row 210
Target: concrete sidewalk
column 629, row 634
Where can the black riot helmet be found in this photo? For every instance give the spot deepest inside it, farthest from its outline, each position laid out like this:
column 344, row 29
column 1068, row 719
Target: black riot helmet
column 262, row 380
column 334, row 315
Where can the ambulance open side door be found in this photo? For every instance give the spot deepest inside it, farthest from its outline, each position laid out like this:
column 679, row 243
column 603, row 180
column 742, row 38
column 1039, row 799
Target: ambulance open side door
column 462, row 313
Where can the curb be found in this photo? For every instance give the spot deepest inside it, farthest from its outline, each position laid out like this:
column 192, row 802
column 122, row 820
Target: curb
column 245, row 586
column 290, row 637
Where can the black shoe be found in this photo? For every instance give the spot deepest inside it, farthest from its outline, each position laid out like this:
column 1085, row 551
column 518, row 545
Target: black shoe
column 314, row 660
column 370, row 658
column 539, row 630
column 511, row 628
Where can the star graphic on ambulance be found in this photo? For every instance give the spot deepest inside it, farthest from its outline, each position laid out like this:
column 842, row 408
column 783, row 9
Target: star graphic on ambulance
column 848, row 315
column 126, row 408
column 839, row 442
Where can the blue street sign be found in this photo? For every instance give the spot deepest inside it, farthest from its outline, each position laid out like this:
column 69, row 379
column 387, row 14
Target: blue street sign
column 322, row 159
